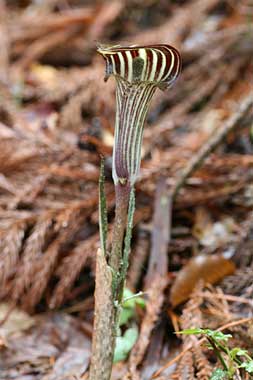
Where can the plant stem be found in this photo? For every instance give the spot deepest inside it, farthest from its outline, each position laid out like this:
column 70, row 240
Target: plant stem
column 104, row 326
column 109, row 291
column 218, row 354
column 122, row 194
column 226, row 351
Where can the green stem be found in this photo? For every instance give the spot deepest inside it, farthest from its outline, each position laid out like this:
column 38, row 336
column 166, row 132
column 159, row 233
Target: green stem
column 218, row 354
column 226, row 351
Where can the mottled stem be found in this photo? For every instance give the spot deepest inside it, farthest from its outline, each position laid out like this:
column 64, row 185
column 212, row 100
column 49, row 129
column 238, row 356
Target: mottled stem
column 122, row 193
column 103, row 341
column 108, row 293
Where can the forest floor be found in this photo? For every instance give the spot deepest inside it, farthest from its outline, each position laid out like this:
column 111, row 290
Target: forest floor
column 192, row 253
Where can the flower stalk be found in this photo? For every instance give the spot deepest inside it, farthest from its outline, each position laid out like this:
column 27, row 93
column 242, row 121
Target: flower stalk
column 138, row 71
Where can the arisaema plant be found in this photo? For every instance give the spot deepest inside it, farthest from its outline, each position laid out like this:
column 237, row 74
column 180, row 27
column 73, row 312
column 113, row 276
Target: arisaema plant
column 138, row 71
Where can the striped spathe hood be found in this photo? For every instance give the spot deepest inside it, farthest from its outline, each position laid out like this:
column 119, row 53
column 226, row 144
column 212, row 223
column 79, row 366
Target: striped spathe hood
column 158, row 64
column 139, row 71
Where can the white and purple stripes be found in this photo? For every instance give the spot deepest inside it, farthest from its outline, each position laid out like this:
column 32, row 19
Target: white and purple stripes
column 155, row 63
column 138, row 70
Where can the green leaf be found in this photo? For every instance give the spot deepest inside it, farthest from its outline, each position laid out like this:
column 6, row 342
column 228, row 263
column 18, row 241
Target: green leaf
column 130, row 303
column 248, row 366
column 213, row 334
column 130, row 300
column 238, row 352
column 125, row 315
column 192, row 331
column 219, row 374
column 140, row 302
column 124, row 344
column 217, row 335
column 103, row 224
column 128, row 307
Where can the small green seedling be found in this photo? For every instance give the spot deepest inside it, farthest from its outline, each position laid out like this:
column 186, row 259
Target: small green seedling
column 231, row 359
column 126, row 341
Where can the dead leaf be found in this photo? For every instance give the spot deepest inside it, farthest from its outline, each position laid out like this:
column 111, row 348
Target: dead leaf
column 210, row 269
column 53, row 349
column 213, row 234
column 17, row 321
column 73, row 362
